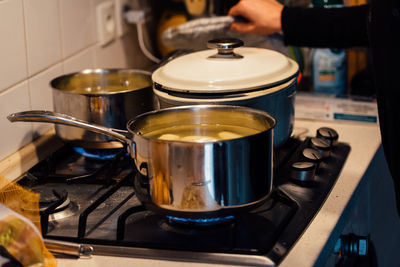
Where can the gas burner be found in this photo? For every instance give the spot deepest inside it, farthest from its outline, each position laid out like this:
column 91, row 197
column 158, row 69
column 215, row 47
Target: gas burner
column 68, row 165
column 54, row 200
column 100, row 154
column 57, row 205
column 72, row 210
column 200, row 221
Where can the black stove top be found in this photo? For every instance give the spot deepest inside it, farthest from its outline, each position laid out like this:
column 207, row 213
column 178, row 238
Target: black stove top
column 92, row 201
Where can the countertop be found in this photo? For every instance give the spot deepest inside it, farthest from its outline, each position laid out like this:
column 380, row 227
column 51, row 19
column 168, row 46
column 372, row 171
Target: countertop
column 321, row 234
column 364, row 139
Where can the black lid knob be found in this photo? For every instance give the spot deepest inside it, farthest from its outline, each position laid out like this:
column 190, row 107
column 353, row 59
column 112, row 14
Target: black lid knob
column 303, row 171
column 328, row 134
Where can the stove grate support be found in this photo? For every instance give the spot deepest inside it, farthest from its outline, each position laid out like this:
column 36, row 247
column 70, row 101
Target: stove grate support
column 44, row 215
column 85, row 214
column 122, row 220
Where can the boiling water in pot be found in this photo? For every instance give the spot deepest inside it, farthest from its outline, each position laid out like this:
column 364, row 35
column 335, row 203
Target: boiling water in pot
column 201, row 132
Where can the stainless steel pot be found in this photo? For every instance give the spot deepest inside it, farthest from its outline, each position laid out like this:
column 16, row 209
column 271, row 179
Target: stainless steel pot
column 246, row 76
column 188, row 178
column 108, row 97
column 278, row 101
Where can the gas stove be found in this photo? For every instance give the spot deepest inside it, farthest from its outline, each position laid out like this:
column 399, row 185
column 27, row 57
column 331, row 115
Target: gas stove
column 87, row 197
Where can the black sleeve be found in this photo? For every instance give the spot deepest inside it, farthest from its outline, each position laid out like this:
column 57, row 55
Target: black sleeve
column 325, row 27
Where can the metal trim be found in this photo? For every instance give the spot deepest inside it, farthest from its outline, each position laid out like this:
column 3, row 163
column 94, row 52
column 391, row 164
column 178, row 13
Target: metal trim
column 188, row 256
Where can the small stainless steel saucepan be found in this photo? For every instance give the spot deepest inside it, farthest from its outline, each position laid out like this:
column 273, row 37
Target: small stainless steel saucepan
column 108, row 97
column 193, row 177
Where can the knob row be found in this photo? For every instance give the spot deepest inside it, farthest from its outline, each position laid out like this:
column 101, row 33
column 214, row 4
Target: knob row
column 319, row 149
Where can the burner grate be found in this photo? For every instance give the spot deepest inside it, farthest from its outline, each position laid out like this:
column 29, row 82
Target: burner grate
column 111, row 217
column 62, row 197
column 68, row 166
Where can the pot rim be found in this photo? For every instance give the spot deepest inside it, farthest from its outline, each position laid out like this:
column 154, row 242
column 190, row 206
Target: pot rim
column 271, row 88
column 201, row 98
column 133, row 122
column 55, row 82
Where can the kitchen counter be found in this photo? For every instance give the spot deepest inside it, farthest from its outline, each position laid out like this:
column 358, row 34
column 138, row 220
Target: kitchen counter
column 317, row 242
column 319, row 239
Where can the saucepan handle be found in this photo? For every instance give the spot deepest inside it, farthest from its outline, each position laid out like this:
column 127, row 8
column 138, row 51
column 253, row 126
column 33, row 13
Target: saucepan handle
column 58, row 118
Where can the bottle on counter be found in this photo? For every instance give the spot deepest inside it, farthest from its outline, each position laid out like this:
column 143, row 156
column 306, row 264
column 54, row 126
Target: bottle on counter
column 329, row 64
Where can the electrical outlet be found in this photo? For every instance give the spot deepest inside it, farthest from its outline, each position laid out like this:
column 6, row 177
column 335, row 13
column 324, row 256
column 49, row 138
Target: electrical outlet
column 106, row 22
column 122, row 26
column 196, row 7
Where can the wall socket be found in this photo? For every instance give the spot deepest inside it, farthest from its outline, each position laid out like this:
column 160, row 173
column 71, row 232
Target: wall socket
column 106, row 22
column 196, row 7
column 122, row 26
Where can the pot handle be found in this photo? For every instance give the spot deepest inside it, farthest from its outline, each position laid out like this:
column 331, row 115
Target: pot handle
column 58, row 118
column 225, row 47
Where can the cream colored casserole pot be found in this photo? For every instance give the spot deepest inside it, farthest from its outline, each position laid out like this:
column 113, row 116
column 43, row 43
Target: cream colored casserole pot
column 228, row 74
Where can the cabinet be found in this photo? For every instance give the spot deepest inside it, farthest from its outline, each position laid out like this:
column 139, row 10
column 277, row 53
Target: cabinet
column 372, row 212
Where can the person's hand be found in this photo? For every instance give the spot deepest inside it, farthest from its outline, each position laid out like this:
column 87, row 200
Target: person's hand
column 264, row 16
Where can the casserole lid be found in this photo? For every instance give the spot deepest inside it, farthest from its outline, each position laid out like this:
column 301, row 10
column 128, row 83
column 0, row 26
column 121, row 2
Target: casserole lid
column 227, row 70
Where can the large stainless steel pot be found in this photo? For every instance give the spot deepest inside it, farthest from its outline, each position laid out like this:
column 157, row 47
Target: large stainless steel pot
column 189, row 178
column 246, row 76
column 108, row 97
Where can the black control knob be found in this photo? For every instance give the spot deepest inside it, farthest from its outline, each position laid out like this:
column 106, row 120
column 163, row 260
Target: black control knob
column 329, row 135
column 352, row 245
column 312, row 155
column 303, row 171
column 322, row 145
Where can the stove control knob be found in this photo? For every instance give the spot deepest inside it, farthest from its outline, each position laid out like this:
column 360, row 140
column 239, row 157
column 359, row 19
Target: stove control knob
column 303, row 171
column 321, row 145
column 312, row 155
column 352, row 245
column 329, row 135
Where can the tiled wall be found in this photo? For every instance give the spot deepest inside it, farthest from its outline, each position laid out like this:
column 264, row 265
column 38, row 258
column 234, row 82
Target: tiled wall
column 40, row 40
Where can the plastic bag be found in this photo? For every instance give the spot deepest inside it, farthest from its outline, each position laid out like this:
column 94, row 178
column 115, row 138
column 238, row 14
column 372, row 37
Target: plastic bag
column 20, row 233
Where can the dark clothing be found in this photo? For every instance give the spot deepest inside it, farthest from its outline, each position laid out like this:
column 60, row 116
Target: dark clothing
column 376, row 26
column 325, row 27
column 384, row 40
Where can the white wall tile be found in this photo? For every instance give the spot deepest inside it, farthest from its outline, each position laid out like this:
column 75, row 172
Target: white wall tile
column 124, row 52
column 54, row 37
column 77, row 25
column 13, row 67
column 17, row 134
column 42, row 24
column 110, row 56
column 121, row 53
column 41, row 95
column 80, row 61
